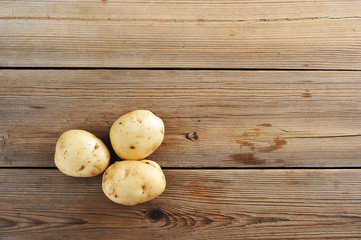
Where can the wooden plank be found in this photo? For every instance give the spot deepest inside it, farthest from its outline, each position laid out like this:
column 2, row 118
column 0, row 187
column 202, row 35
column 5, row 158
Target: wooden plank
column 188, row 34
column 179, row 10
column 197, row 204
column 241, row 118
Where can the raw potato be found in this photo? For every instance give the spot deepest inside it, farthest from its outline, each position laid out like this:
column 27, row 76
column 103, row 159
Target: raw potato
column 79, row 153
column 136, row 135
column 133, row 182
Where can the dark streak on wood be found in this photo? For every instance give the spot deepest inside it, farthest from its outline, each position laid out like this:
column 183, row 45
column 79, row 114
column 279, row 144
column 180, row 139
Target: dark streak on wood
column 247, row 159
column 37, row 107
column 255, row 132
column 246, row 144
column 277, row 144
column 265, row 125
column 306, row 95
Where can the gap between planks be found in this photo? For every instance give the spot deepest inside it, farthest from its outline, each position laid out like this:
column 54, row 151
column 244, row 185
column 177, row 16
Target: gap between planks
column 216, row 168
column 180, row 69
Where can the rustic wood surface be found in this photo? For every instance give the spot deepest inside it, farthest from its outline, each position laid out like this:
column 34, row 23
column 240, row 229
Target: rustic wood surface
column 182, row 34
column 261, row 101
column 197, row 204
column 240, row 118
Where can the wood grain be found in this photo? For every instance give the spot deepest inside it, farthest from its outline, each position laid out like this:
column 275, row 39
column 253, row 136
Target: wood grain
column 197, row 204
column 179, row 10
column 213, row 118
column 181, row 34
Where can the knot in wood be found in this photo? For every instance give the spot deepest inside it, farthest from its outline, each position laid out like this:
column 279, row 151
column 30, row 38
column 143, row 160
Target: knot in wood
column 193, row 136
column 3, row 139
column 155, row 215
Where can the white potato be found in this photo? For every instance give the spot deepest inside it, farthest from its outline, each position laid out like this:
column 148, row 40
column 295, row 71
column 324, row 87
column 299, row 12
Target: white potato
column 136, row 135
column 79, row 153
column 133, row 182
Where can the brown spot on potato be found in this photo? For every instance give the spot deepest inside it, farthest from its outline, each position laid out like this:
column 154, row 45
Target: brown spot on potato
column 120, row 123
column 105, row 177
column 132, row 147
column 146, row 162
column 247, row 159
column 126, row 173
column 265, row 125
column 139, row 120
column 113, row 191
column 151, row 165
column 93, row 173
column 97, row 167
column 81, row 168
column 96, row 146
column 116, row 196
column 154, row 147
column 143, row 187
column 277, row 144
column 246, row 144
column 62, row 145
column 162, row 131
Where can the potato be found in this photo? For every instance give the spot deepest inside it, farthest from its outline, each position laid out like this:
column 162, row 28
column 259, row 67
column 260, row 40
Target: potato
column 133, row 182
column 79, row 153
column 136, row 135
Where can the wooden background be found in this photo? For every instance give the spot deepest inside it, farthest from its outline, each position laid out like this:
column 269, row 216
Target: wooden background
column 261, row 101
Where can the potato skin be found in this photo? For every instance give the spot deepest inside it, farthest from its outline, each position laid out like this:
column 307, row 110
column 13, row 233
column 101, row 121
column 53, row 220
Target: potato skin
column 133, row 182
column 79, row 153
column 136, row 135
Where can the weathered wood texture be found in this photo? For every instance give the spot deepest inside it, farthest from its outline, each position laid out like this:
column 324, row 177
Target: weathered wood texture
column 197, row 204
column 180, row 9
column 241, row 118
column 193, row 34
